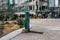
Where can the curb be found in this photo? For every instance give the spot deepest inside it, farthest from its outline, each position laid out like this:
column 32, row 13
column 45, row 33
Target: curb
column 11, row 35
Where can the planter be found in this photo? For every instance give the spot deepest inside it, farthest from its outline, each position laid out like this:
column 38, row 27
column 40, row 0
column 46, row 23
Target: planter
column 21, row 26
column 1, row 30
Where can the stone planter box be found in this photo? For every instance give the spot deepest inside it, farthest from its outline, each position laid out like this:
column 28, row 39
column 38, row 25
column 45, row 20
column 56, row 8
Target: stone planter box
column 1, row 30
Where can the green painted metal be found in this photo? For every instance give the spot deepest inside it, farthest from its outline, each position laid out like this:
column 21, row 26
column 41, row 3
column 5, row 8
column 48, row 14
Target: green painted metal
column 27, row 21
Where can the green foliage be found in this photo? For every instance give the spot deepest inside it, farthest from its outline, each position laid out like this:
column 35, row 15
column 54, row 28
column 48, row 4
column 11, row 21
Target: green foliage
column 20, row 21
column 7, row 23
column 1, row 17
column 14, row 16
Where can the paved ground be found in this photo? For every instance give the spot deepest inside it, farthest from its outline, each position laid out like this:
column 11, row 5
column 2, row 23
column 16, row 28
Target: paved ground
column 50, row 27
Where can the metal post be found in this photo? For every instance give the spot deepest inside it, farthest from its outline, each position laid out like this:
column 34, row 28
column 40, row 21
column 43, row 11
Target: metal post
column 27, row 21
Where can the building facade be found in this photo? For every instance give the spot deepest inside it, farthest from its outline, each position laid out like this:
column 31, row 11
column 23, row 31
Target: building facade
column 33, row 6
column 3, row 3
column 59, row 3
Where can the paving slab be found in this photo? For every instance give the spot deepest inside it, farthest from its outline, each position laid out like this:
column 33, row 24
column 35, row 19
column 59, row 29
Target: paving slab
column 50, row 27
column 29, row 36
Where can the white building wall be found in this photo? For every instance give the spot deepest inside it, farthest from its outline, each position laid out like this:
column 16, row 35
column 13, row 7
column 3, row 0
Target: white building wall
column 53, row 3
column 20, row 1
column 56, row 3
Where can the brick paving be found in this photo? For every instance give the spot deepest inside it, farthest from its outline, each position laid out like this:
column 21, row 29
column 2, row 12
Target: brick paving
column 50, row 27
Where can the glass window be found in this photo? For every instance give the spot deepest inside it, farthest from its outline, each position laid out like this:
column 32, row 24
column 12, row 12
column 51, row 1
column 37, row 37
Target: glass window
column 43, row 0
column 30, row 0
column 30, row 7
column 43, row 7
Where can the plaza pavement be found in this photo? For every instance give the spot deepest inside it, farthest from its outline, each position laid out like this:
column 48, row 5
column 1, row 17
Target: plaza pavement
column 50, row 27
